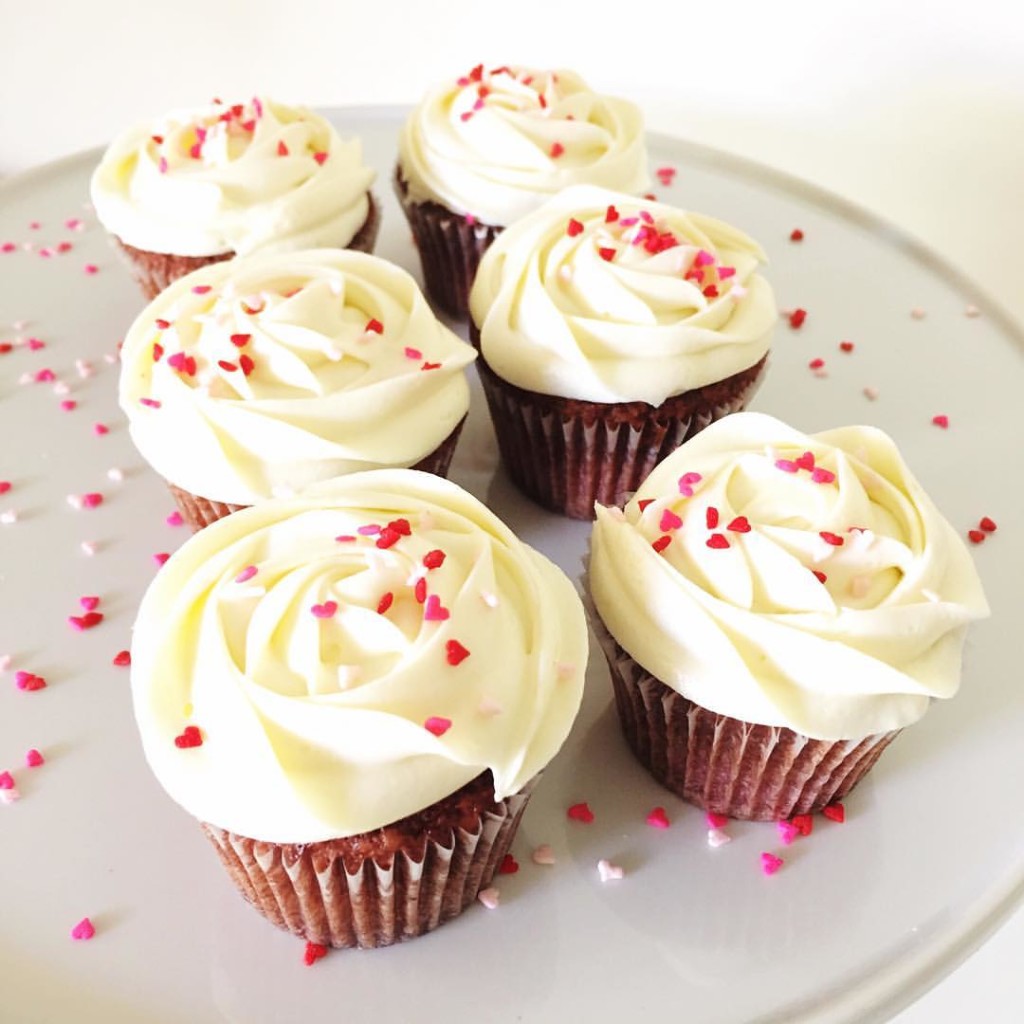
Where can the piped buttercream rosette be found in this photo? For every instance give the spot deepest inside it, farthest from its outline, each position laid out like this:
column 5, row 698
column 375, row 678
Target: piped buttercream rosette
column 317, row 667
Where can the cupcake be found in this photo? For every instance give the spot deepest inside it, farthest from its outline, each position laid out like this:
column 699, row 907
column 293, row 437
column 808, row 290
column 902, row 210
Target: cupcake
column 481, row 152
column 203, row 185
column 611, row 329
column 354, row 691
column 775, row 607
column 258, row 377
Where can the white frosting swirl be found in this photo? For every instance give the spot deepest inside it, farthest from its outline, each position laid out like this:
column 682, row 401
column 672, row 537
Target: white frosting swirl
column 258, row 376
column 316, row 724
column 836, row 606
column 496, row 143
column 233, row 179
column 603, row 297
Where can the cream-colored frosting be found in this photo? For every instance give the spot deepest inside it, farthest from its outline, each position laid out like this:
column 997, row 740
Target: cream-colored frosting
column 321, row 726
column 607, row 298
column 306, row 365
column 496, row 143
column 233, row 179
column 746, row 628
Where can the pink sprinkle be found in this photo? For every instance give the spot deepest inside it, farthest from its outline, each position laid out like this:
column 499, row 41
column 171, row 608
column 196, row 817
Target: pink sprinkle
column 149, row 403
column 941, row 420
column 83, row 931
column 87, row 621
column 325, row 610
column 90, row 604
column 433, row 610
column 917, row 313
column 658, row 818
column 320, row 158
column 724, row 273
column 370, row 530
column 580, row 812
column 413, row 353
column 437, row 725
column 703, row 258
column 470, row 219
column 715, row 820
column 489, row 897
column 822, row 476
column 174, row 519
column 99, row 429
column 669, row 521
column 91, row 268
column 246, row 574
column 92, row 500
column 5, row 486
column 33, row 759
column 786, row 465
column 201, row 289
column 29, row 681
column 68, row 405
column 8, row 247
column 870, row 393
column 787, row 831
column 160, row 557
column 6, row 780
column 345, row 538
column 44, row 376
column 718, row 837
column 35, row 344
column 770, row 863
column 74, row 224
column 665, row 175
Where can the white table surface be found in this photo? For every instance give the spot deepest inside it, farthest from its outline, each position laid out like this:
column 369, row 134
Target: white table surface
column 915, row 111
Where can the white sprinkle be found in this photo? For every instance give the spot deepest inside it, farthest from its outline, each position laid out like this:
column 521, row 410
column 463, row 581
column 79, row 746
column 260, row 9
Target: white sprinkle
column 75, row 501
column 110, row 357
column 489, row 599
column 871, row 393
column 972, row 311
column 917, row 313
column 335, row 355
column 26, row 378
column 84, row 368
column 543, row 854
column 737, row 291
column 5, row 662
column 28, row 246
column 416, row 575
column 60, row 388
column 609, row 872
column 489, row 708
column 820, row 372
column 88, row 547
column 336, row 285
column 565, row 273
column 115, row 474
column 8, row 796
column 718, row 837
column 20, row 325
column 8, row 516
column 490, row 898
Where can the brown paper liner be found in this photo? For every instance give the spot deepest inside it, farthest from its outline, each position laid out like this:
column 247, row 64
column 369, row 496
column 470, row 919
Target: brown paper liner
column 380, row 887
column 450, row 247
column 725, row 765
column 566, row 454
column 198, row 511
column 154, row 271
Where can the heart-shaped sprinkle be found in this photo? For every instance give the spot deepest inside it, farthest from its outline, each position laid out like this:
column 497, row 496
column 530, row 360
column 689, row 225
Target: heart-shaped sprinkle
column 574, row 227
column 489, row 897
column 387, row 538
column 718, row 541
column 822, row 476
column 739, row 525
column 786, row 465
column 543, row 855
column 787, row 831
column 455, row 652
column 658, row 818
column 718, row 837
column 716, row 820
column 86, row 621
column 835, row 812
column 33, row 758
column 803, row 823
column 580, row 812
column 83, row 931
column 846, row 346
column 314, row 951
column 28, row 681
column 122, row 658
column 434, row 559
column 661, row 543
column 975, row 536
column 509, row 865
column 437, row 725
column 433, row 610
column 89, row 603
column 6, row 780
column 770, row 863
column 987, row 524
column 240, row 340
column 374, row 326
column 806, row 461
column 325, row 610
column 941, row 420
column 609, row 872
column 189, row 737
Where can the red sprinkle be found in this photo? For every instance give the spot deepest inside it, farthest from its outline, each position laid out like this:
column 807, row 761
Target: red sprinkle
column 711, row 517
column 739, row 525
column 437, row 725
column 455, row 652
column 160, row 557
column 431, row 366
column 282, row 149
column 975, row 536
column 509, row 865
column 434, row 559
column 661, row 543
column 719, row 541
column 320, row 158
column 314, row 951
column 375, row 326
column 816, row 364
column 122, row 658
column 5, row 486
column 831, row 538
column 987, row 524
column 387, row 537
column 611, row 215
column 941, row 420
column 86, row 621
column 607, row 254
column 420, row 590
column 796, row 235
column 820, row 576
column 580, row 812
column 803, row 823
column 240, row 340
column 189, row 737
column 574, row 227
column 835, row 812
column 246, row 363
column 99, row 429
column 715, row 820
column 797, row 317
column 643, row 503
column 29, row 681
column 226, row 366
column 401, row 526
column 557, row 149
column 92, row 500
column 385, row 603
column 658, row 818
column 33, row 759
column 846, row 346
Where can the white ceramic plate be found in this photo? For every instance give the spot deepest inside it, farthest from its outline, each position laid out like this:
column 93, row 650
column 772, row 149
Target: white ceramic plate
column 862, row 917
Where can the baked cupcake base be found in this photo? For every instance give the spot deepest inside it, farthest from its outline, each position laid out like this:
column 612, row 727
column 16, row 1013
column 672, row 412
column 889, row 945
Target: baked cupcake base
column 450, row 246
column 380, row 887
column 154, row 271
column 199, row 512
column 725, row 765
column 566, row 454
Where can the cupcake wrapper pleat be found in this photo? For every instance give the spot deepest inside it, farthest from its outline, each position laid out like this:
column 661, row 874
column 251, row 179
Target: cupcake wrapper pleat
column 566, row 454
column 311, row 892
column 722, row 764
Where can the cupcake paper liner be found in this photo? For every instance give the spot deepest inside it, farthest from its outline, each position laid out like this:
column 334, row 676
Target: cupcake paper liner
column 199, row 512
column 450, row 246
column 321, row 893
column 154, row 271
column 723, row 764
column 566, row 454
